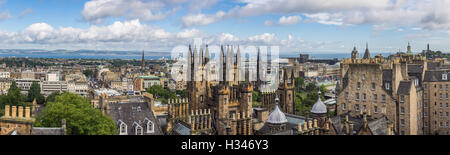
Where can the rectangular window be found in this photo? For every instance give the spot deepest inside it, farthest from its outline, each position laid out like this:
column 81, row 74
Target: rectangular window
column 383, row 98
column 364, row 108
column 343, row 106
column 402, row 98
column 440, row 96
column 375, row 109
column 357, row 107
column 440, row 114
column 425, row 114
column 387, row 85
column 373, row 86
column 425, row 96
column 358, row 85
column 375, row 97
column 440, row 105
column 402, row 122
column 357, row 96
column 346, row 95
column 425, row 86
column 440, row 87
column 402, row 110
column 364, row 97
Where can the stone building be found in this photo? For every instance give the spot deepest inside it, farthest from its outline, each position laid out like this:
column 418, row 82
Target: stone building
column 18, row 121
column 134, row 118
column 384, row 87
column 230, row 101
column 436, row 102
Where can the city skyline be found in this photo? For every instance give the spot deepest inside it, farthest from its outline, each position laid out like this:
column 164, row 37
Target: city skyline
column 158, row 26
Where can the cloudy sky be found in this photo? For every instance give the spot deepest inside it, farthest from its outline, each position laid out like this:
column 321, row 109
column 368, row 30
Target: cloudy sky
column 320, row 26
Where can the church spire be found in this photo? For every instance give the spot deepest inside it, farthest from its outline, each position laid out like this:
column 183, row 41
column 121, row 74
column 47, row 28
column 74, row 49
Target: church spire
column 367, row 53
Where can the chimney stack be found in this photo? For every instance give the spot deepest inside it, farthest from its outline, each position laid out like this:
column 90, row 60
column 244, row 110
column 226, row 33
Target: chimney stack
column 20, row 112
column 14, row 112
column 7, row 110
column 27, row 112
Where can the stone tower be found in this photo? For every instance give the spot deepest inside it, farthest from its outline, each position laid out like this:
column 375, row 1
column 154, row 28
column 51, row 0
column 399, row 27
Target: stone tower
column 355, row 54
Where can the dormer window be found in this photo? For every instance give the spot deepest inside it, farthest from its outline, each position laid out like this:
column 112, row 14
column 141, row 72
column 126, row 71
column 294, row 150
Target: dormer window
column 123, row 129
column 387, row 85
column 416, row 82
column 444, row 76
column 138, row 129
column 150, row 127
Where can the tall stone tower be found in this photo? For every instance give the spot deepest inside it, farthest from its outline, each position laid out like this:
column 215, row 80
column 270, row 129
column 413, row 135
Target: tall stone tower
column 409, row 49
column 355, row 54
column 287, row 93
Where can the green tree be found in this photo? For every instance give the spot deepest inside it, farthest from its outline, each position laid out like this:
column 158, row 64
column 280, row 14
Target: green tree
column 311, row 87
column 52, row 96
column 88, row 73
column 323, row 89
column 299, row 83
column 35, row 93
column 81, row 117
column 161, row 94
column 14, row 97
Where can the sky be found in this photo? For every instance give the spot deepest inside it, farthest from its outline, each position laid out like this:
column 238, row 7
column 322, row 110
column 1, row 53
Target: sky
column 296, row 26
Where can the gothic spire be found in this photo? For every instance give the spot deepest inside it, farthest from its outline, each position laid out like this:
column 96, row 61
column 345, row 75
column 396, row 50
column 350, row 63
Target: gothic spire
column 367, row 54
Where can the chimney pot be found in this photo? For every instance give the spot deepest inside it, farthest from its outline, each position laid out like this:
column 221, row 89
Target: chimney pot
column 27, row 112
column 7, row 110
column 20, row 112
column 14, row 111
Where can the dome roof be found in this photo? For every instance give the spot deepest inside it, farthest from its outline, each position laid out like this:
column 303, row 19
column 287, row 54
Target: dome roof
column 277, row 116
column 319, row 107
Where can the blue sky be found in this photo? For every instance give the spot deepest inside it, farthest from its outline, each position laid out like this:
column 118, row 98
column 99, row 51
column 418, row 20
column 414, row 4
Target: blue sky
column 159, row 25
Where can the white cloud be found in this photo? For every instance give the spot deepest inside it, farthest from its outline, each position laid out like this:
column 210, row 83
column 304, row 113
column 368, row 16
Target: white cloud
column 201, row 19
column 425, row 14
column 190, row 33
column 96, row 10
column 290, row 20
column 268, row 38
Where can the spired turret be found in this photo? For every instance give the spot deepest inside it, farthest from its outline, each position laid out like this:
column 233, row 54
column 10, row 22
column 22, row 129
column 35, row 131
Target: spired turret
column 319, row 107
column 355, row 54
column 367, row 53
column 277, row 116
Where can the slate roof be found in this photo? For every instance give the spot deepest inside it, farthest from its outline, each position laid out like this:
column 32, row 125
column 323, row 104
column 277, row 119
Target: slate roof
column 181, row 129
column 436, row 76
column 404, row 88
column 47, row 131
column 134, row 114
column 415, row 68
column 377, row 126
column 433, row 65
column 387, row 75
column 292, row 122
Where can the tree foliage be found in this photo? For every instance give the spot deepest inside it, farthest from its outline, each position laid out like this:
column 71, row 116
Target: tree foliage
column 52, row 96
column 35, row 93
column 12, row 98
column 161, row 94
column 81, row 117
column 299, row 83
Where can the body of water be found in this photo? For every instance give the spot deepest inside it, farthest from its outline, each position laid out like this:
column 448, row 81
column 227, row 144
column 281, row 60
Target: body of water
column 150, row 56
